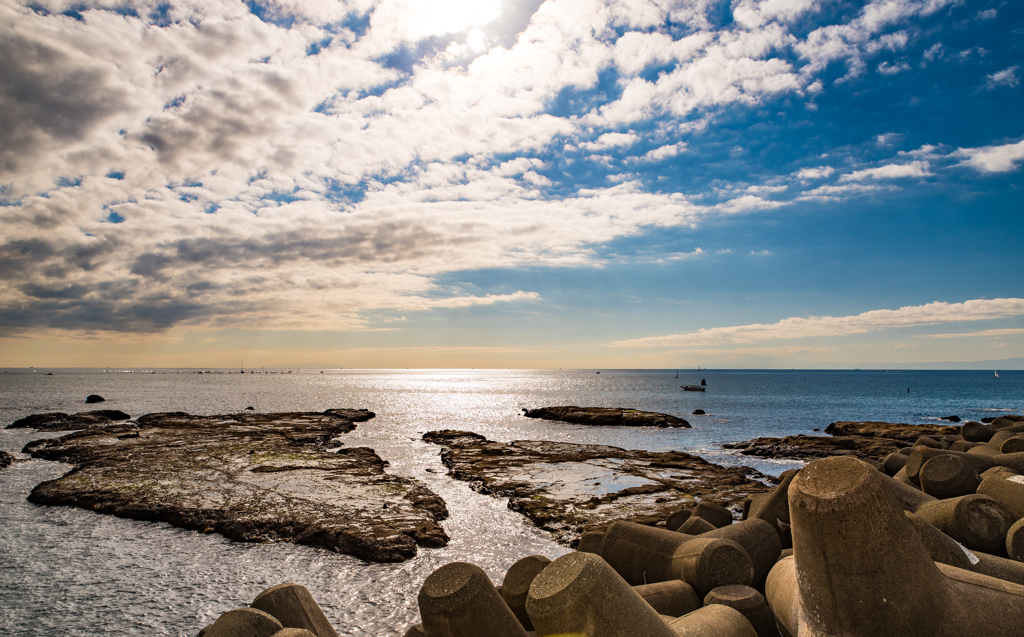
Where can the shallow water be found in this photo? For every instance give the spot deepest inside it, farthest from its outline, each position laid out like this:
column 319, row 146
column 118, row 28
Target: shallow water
column 67, row 571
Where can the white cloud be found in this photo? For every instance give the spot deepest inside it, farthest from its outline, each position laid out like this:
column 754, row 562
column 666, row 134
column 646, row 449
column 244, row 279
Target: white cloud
column 890, row 171
column 992, row 159
column 611, row 140
column 984, row 333
column 817, row 326
column 821, row 172
column 1006, row 77
column 885, row 68
column 664, row 152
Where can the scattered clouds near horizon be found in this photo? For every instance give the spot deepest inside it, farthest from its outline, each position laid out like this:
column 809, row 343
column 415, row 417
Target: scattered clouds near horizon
column 936, row 313
column 293, row 165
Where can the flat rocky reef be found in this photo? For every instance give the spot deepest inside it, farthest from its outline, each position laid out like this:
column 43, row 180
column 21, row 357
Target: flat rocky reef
column 863, row 440
column 250, row 477
column 608, row 416
column 59, row 421
column 568, row 488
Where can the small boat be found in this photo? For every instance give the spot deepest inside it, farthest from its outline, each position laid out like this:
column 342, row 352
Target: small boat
column 997, row 374
column 692, row 388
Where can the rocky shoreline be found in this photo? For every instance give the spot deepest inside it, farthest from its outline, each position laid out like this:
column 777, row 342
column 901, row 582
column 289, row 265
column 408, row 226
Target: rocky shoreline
column 566, row 488
column 863, row 440
column 59, row 421
column 250, row 477
column 605, row 416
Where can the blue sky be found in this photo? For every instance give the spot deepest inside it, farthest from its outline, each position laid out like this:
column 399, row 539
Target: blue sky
column 570, row 183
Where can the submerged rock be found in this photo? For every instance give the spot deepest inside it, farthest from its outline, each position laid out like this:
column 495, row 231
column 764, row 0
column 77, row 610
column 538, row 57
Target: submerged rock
column 566, row 488
column 57, row 421
column 94, row 398
column 6, row 459
column 606, row 416
column 250, row 477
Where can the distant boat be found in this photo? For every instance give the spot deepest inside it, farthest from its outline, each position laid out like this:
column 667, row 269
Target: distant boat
column 997, row 374
column 677, row 373
column 692, row 387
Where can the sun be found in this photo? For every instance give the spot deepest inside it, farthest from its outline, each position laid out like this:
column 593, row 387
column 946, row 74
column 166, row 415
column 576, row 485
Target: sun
column 437, row 17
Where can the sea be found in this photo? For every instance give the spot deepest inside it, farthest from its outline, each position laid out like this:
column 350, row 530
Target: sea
column 69, row 572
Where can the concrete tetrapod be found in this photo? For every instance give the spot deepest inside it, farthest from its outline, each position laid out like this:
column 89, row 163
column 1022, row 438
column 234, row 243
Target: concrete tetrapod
column 775, row 508
column 674, row 599
column 859, row 587
column 712, row 621
column 948, row 476
column 579, row 593
column 1007, row 489
column 1015, row 541
column 294, row 607
column 516, row 585
column 293, row 632
column 717, row 515
column 459, row 600
column 977, row 521
column 750, row 603
column 644, row 554
column 759, row 539
column 695, row 525
column 243, row 622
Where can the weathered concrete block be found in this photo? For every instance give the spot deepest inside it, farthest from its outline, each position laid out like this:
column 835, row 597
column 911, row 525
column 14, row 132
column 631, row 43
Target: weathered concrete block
column 1015, row 541
column 708, row 563
column 893, row 463
column 244, row 622
column 976, row 521
column 948, row 476
column 459, row 600
column 759, row 539
column 750, row 603
column 416, row 630
column 976, row 432
column 590, row 542
column 674, row 599
column 293, row 606
column 713, row 621
column 717, row 515
column 643, row 555
column 1007, row 489
column 695, row 525
column 859, row 586
column 580, row 593
column 1012, row 445
column 677, row 518
column 940, row 546
column 293, row 632
column 516, row 586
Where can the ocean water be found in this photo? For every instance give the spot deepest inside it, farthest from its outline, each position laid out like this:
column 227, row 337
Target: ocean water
column 66, row 571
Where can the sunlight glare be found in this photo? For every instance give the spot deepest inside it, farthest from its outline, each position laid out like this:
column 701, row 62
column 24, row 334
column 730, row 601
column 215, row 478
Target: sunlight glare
column 454, row 16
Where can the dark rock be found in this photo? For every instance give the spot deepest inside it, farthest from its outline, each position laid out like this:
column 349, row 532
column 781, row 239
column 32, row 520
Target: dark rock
column 93, row 398
column 951, row 418
column 566, row 488
column 58, row 421
column 250, row 477
column 6, row 459
column 814, row 447
column 698, row 412
column 606, row 416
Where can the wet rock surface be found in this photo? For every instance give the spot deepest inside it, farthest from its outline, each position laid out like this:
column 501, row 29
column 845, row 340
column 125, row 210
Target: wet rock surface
column 6, row 459
column 813, row 447
column 893, row 431
column 568, row 488
column 58, row 421
column 863, row 440
column 250, row 477
column 606, row 416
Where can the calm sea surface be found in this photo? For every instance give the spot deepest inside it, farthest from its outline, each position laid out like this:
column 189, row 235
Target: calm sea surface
column 66, row 571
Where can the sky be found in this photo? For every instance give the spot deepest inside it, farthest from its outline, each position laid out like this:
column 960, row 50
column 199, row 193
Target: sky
column 511, row 183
